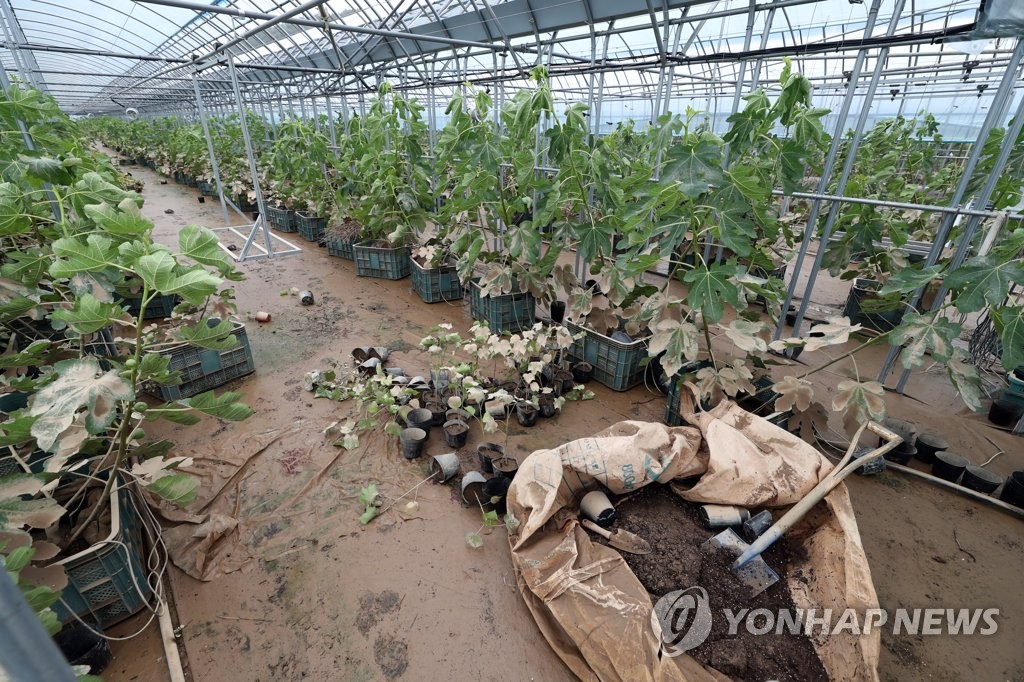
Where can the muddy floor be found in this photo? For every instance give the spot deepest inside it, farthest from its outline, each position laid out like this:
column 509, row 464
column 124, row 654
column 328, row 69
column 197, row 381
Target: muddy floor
column 301, row 590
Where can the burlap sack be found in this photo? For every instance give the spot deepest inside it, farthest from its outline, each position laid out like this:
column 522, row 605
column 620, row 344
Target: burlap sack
column 588, row 603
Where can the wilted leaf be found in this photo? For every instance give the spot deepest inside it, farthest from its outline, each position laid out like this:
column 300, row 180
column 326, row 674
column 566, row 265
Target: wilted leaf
column 179, row 488
column 859, row 402
column 964, row 376
column 41, row 513
column 224, row 406
column 1009, row 322
column 474, row 540
column 793, row 393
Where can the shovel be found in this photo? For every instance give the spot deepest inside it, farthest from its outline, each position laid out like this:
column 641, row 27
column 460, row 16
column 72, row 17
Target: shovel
column 750, row 567
column 619, row 539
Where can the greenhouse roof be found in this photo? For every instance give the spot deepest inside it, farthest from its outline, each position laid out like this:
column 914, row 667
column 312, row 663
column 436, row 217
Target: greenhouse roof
column 107, row 55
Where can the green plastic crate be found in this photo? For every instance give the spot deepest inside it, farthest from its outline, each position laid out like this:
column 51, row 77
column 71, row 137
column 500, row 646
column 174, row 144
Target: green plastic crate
column 108, row 580
column 203, row 369
column 617, row 365
column 281, row 219
column 504, row 313
column 381, row 262
column 437, row 284
column 341, row 247
column 312, row 228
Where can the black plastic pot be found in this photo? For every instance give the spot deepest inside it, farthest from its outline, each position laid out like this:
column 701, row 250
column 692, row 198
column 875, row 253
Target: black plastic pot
column 557, row 311
column 547, row 407
column 456, row 432
column 412, row 440
column 488, row 452
column 420, row 419
column 901, row 454
column 948, row 465
column 437, row 413
column 505, row 466
column 81, row 646
column 928, row 444
column 526, row 414
column 981, row 480
column 582, row 372
column 903, row 429
column 496, row 490
column 564, row 381
column 1013, row 491
column 1005, row 413
column 656, row 376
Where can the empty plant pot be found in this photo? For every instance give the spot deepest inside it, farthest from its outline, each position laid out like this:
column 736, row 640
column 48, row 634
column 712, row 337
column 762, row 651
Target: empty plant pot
column 488, row 452
column 1013, row 491
column 928, row 444
column 505, row 466
column 455, row 432
column 473, row 489
column 948, row 465
column 596, row 506
column 526, row 414
column 1005, row 413
column 412, row 440
column 444, row 467
column 582, row 372
column 420, row 418
column 981, row 480
column 557, row 311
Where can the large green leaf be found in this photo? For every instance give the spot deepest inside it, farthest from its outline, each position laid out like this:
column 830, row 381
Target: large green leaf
column 74, row 255
column 28, row 266
column 693, row 166
column 13, row 216
column 181, row 489
column 201, row 245
column 208, row 333
column 983, row 280
column 89, row 314
column 924, row 333
column 711, row 288
column 1009, row 322
column 80, row 385
column 909, row 279
column 224, row 406
column 126, row 220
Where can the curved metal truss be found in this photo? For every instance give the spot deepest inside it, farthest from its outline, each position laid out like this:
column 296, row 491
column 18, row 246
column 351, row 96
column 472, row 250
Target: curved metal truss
column 626, row 58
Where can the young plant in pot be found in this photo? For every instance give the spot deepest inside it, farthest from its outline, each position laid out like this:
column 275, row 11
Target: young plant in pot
column 394, row 185
column 488, row 184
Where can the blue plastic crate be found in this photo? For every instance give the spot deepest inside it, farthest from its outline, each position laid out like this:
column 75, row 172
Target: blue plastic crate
column 341, row 247
column 502, row 313
column 203, row 369
column 108, row 580
column 617, row 365
column 282, row 219
column 312, row 228
column 437, row 284
column 373, row 260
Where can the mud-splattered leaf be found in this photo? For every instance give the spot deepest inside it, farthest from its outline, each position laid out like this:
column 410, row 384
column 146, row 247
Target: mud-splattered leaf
column 859, row 401
column 474, row 541
column 793, row 393
column 41, row 513
column 920, row 334
column 80, row 384
column 833, row 332
column 809, row 423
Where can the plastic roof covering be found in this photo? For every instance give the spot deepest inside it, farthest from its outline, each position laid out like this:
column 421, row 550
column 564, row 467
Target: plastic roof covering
column 106, row 55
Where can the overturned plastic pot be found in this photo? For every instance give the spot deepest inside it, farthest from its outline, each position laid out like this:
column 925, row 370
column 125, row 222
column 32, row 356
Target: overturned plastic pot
column 948, row 465
column 473, row 489
column 981, row 480
column 412, row 440
column 488, row 452
column 596, row 506
column 456, row 432
column 496, row 490
column 444, row 467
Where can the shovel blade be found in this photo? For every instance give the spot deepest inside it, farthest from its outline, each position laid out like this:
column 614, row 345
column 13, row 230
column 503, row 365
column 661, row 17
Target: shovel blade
column 756, row 574
column 629, row 542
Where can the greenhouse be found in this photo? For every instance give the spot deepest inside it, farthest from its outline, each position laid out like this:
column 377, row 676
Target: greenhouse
column 597, row 339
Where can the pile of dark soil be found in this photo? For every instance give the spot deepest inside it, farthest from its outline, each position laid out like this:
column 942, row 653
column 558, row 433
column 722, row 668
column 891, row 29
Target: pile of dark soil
column 672, row 527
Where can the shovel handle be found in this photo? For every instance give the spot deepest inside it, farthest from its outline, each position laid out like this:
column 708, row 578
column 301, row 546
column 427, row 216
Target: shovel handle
column 590, row 525
column 824, row 487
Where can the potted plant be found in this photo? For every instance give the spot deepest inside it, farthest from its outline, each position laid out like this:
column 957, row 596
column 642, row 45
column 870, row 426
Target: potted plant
column 298, row 162
column 394, row 185
column 434, row 274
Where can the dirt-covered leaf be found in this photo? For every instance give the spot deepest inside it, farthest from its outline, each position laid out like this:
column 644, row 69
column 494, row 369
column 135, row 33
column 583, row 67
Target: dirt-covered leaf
column 1009, row 322
column 81, row 384
column 53, row 576
column 747, row 335
column 833, row 332
column 859, row 401
column 794, row 393
column 677, row 339
column 964, row 375
column 810, row 422
column 41, row 513
column 920, row 334
column 729, row 380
